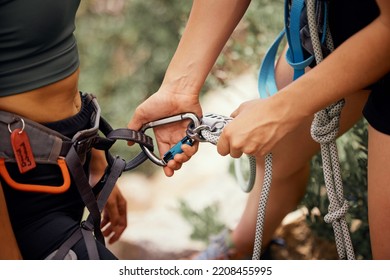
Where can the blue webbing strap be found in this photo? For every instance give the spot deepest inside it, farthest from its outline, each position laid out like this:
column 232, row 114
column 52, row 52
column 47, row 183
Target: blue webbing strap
column 294, row 56
column 266, row 81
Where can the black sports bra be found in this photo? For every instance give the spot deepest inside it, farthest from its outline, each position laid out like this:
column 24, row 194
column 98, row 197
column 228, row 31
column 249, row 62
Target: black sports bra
column 37, row 45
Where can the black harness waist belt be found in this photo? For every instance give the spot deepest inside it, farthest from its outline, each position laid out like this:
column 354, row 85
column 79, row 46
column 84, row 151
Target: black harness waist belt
column 28, row 143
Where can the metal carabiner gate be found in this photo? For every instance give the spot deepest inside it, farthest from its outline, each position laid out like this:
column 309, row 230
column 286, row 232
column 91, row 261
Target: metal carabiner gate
column 176, row 118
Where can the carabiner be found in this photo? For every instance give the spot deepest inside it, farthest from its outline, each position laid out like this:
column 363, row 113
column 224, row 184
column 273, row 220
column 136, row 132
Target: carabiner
column 212, row 124
column 168, row 120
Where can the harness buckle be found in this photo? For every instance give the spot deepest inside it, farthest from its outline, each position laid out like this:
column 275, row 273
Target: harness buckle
column 87, row 225
column 176, row 118
column 83, row 146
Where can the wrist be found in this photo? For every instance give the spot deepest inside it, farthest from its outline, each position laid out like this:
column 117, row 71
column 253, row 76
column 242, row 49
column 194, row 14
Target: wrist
column 296, row 106
column 180, row 84
column 292, row 111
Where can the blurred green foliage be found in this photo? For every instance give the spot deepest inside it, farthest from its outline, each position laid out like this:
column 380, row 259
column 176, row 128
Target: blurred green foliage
column 205, row 222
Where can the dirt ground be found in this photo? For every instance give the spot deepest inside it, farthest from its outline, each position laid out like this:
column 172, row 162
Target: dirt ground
column 298, row 243
column 301, row 244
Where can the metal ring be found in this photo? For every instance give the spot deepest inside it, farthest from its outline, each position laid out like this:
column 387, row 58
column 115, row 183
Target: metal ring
column 23, row 126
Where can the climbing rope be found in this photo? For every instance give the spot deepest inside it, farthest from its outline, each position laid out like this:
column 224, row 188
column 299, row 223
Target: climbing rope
column 265, row 189
column 213, row 138
column 324, row 130
column 212, row 126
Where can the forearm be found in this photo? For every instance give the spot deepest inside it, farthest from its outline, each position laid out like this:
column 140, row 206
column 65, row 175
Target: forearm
column 209, row 26
column 357, row 63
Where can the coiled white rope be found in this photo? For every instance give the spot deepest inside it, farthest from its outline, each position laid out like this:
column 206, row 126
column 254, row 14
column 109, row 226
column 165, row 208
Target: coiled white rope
column 324, row 130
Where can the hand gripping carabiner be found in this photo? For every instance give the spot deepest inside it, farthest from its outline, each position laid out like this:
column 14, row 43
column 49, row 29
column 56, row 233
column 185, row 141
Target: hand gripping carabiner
column 176, row 118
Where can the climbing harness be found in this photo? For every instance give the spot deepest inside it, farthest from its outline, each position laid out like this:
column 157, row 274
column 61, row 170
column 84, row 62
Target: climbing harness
column 28, row 143
column 325, row 126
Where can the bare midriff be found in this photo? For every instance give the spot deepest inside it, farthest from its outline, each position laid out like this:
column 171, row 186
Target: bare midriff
column 50, row 103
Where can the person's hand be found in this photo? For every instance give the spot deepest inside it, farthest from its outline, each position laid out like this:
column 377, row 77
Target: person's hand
column 258, row 125
column 114, row 220
column 163, row 104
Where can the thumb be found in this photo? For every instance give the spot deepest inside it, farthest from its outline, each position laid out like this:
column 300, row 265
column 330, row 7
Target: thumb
column 135, row 123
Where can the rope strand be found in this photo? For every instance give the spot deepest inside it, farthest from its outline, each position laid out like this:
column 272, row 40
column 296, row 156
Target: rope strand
column 324, row 130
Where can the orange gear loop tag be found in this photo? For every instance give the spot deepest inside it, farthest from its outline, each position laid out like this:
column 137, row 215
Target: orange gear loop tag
column 22, row 148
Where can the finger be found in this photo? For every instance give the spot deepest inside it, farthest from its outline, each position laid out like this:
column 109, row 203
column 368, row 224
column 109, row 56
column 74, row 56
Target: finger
column 181, row 158
column 174, row 165
column 223, row 145
column 104, row 221
column 113, row 214
column 107, row 231
column 121, row 220
column 234, row 153
column 117, row 232
column 188, row 150
column 115, row 237
column 136, row 123
column 168, row 171
column 235, row 113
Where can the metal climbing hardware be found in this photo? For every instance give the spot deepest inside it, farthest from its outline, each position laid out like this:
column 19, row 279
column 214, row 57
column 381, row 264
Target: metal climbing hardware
column 177, row 148
column 209, row 129
column 206, row 129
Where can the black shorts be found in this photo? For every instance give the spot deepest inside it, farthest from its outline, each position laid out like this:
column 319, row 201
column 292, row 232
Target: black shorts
column 41, row 221
column 346, row 17
column 377, row 109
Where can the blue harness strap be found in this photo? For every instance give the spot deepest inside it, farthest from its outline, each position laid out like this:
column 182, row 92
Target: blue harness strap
column 294, row 56
column 266, row 80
